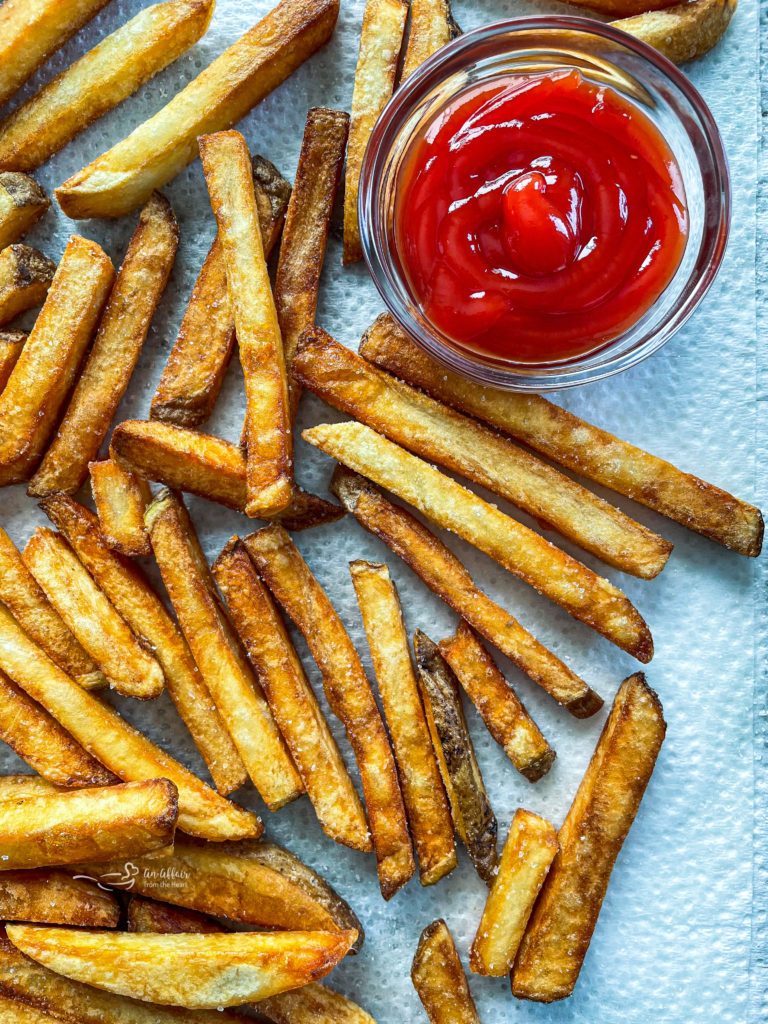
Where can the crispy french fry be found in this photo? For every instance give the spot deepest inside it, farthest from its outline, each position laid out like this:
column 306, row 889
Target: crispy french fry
column 25, row 277
column 425, row 801
column 53, row 897
column 349, row 694
column 132, row 595
column 11, row 344
column 12, row 1011
column 586, row 596
column 525, row 860
column 564, row 916
column 100, row 80
column 499, row 706
column 683, row 32
column 439, row 978
column 20, row 787
column 41, row 380
column 116, row 348
column 293, row 703
column 432, row 26
column 145, row 915
column 125, row 176
column 623, row 8
column 119, row 747
column 121, row 499
column 575, row 444
column 92, row 617
column 194, row 373
column 222, row 662
column 381, row 39
column 22, row 203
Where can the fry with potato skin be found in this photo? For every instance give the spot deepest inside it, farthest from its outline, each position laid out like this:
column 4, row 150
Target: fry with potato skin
column 116, row 348
column 53, row 897
column 425, row 801
column 683, row 32
column 564, row 917
column 439, row 978
column 25, row 278
column 11, row 344
column 622, row 8
column 121, row 499
column 15, row 1012
column 22, row 203
column 145, row 915
column 349, row 694
column 432, row 26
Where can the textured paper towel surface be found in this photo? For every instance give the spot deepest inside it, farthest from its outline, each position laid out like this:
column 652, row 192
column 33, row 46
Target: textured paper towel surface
column 673, row 942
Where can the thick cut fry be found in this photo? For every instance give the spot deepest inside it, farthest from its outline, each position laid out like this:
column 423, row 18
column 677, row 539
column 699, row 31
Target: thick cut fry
column 425, row 801
column 100, row 80
column 12, row 1011
column 125, row 176
column 290, row 579
column 225, row 669
column 22, row 203
column 11, row 344
column 440, row 434
column 575, row 444
column 116, row 348
column 601, row 815
column 25, row 277
column 586, row 596
column 53, row 897
column 22, row 595
column 121, row 499
column 432, row 26
column 143, row 915
column 525, row 860
column 132, row 595
column 682, row 32
column 439, row 978
column 19, row 787
column 293, row 703
column 194, row 373
column 470, row 807
column 119, row 747
column 499, row 706
column 623, row 8
column 381, row 39
column 92, row 617
column 41, row 380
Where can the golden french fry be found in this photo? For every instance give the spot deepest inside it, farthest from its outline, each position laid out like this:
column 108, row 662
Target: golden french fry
column 586, row 596
column 119, row 747
column 92, row 617
column 20, row 787
column 194, row 373
column 145, row 915
column 133, row 597
column 298, row 715
column 425, row 801
column 222, row 662
column 25, row 277
column 623, row 8
column 12, row 1011
column 40, row 383
column 381, row 39
column 116, row 348
column 439, row 978
column 574, row 443
column 440, row 434
column 682, row 32
column 349, row 694
column 53, row 897
column 525, row 860
column 564, row 917
column 432, row 26
column 125, row 176
column 499, row 706
column 11, row 344
column 22, row 203
column 121, row 499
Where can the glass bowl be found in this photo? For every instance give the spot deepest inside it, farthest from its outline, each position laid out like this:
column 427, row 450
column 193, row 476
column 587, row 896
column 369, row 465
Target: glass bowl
column 604, row 55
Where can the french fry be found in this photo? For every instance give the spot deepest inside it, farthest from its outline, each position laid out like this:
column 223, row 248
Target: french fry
column 12, row 1011
column 87, row 824
column 525, row 860
column 20, row 787
column 132, row 595
column 41, row 380
column 440, row 434
column 116, row 348
column 100, row 80
column 119, row 747
column 25, row 277
column 432, row 26
column 564, row 917
column 381, row 39
column 499, row 706
column 194, row 373
column 439, row 978
column 11, row 344
column 298, row 715
column 222, row 662
column 586, row 596
column 22, row 203
column 144, row 915
column 53, row 897
column 623, row 8
column 349, row 694
column 92, row 617
column 425, row 801
column 31, row 30
column 683, row 32
column 125, row 176
column 575, row 444
column 302, row 249
column 121, row 499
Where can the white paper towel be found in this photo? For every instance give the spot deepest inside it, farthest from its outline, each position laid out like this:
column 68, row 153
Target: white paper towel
column 673, row 942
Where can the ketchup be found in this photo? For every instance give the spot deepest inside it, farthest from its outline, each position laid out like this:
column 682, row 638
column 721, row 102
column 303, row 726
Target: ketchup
column 538, row 217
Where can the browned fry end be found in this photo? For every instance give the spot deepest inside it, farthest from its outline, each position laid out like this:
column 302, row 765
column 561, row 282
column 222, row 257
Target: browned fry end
column 439, row 978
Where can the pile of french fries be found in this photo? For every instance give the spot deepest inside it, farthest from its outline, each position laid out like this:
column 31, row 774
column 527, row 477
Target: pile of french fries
column 125, row 880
